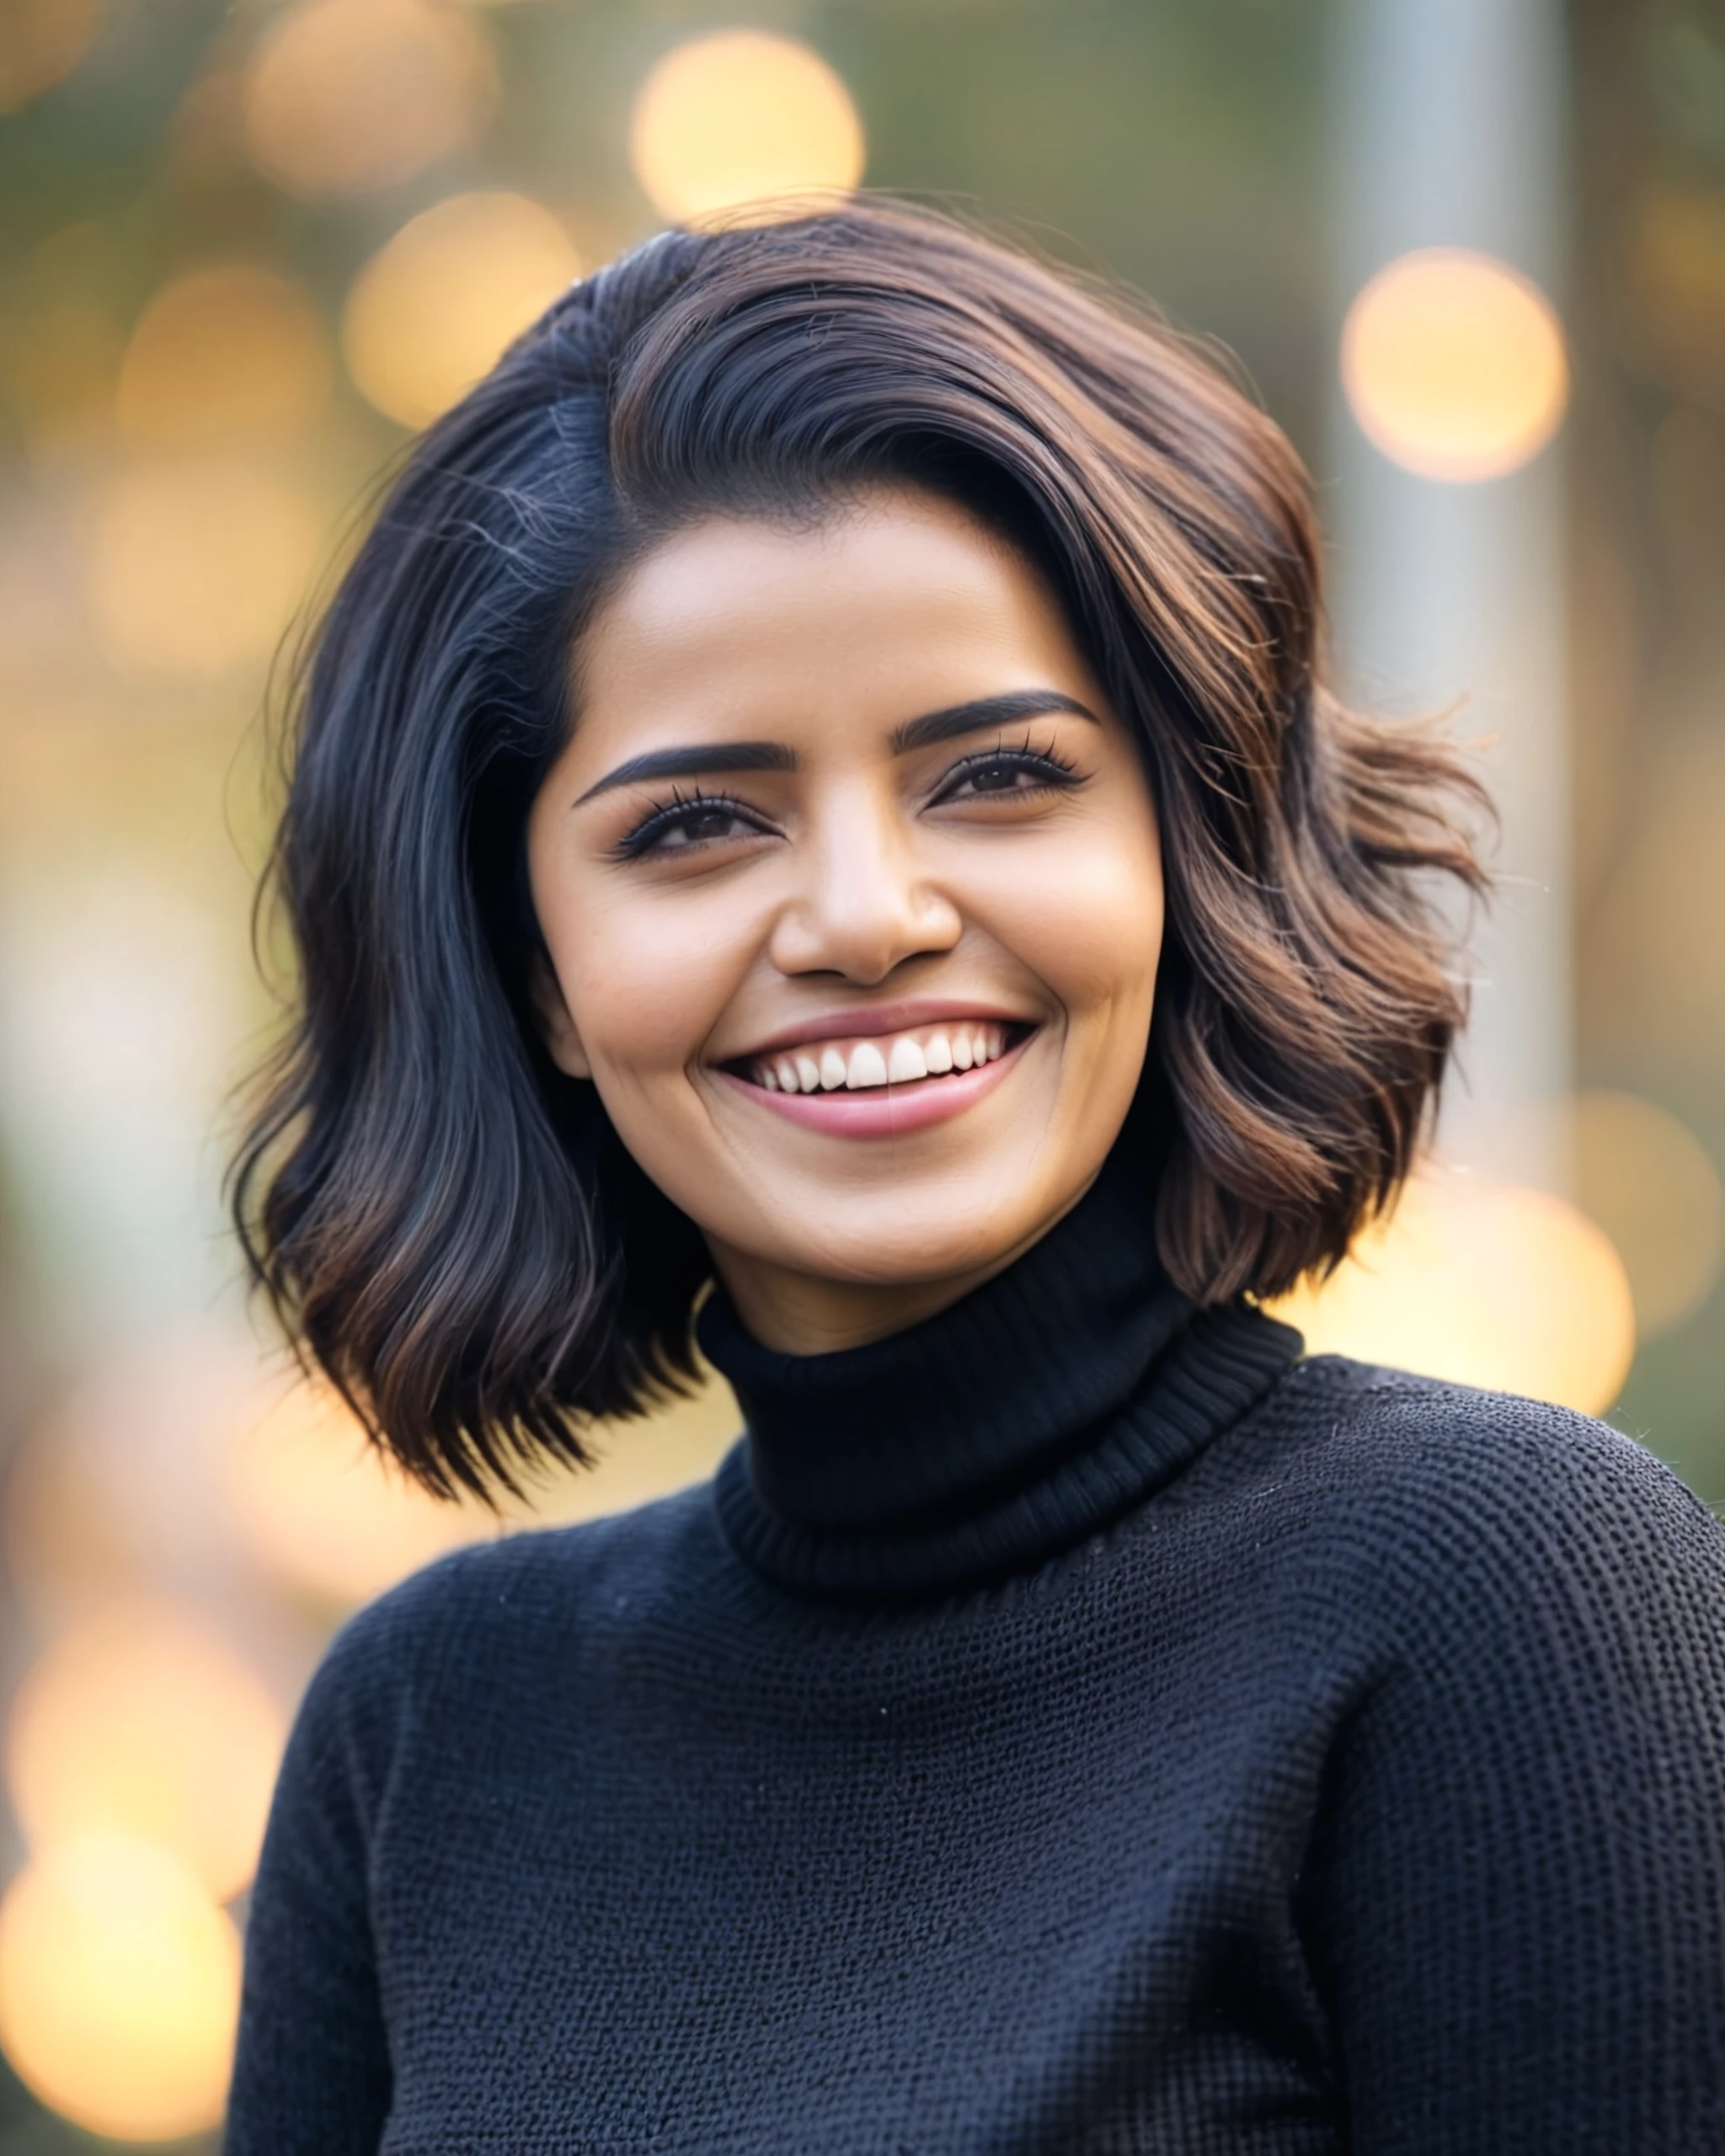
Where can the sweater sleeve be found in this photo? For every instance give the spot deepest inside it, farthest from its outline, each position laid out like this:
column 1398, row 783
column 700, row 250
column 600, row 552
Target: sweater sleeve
column 312, row 2074
column 1519, row 1905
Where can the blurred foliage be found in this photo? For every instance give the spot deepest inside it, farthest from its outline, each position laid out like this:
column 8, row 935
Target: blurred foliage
column 1647, row 471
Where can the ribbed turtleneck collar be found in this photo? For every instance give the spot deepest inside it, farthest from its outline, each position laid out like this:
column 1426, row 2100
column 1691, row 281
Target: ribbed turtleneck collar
column 1029, row 1414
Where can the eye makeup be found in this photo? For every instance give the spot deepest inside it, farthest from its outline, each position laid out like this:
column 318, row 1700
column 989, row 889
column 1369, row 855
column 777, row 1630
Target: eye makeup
column 685, row 813
column 694, row 819
column 1045, row 769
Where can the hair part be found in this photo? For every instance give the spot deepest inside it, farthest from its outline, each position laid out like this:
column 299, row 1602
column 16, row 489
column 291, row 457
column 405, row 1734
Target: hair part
column 447, row 1225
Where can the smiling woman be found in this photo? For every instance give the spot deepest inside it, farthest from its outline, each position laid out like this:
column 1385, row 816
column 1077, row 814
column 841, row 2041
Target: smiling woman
column 817, row 805
column 641, row 531
column 871, row 890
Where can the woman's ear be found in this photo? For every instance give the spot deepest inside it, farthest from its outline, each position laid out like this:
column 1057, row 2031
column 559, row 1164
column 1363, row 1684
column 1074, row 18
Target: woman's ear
column 556, row 1026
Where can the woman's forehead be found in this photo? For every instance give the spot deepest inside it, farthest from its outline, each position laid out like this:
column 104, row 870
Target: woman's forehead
column 893, row 606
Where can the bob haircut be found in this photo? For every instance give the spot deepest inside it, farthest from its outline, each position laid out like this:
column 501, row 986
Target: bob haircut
column 447, row 1224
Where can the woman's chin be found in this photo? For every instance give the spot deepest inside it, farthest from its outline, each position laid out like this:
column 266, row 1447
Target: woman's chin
column 909, row 1247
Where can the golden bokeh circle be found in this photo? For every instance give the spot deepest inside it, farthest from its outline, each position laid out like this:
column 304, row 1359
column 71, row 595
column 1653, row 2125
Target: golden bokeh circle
column 230, row 351
column 1454, row 365
column 41, row 41
column 743, row 119
column 432, row 310
column 1511, row 1289
column 139, row 1723
column 342, row 96
column 195, row 566
column 320, row 1508
column 119, row 1989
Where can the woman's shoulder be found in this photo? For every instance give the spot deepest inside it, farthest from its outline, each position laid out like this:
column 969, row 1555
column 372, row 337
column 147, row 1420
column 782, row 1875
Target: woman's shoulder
column 1445, row 1497
column 1397, row 1431
column 481, row 1621
column 1512, row 1885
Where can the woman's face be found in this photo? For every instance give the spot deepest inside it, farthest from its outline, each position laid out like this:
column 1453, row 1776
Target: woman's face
column 850, row 880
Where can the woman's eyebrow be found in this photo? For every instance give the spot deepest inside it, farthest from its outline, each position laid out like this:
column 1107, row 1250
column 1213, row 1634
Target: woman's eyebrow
column 933, row 726
column 691, row 762
column 971, row 718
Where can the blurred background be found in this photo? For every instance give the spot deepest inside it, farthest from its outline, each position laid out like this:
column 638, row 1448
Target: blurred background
column 1471, row 253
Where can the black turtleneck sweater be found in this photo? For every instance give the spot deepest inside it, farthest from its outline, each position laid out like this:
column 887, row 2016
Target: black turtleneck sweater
column 1072, row 1725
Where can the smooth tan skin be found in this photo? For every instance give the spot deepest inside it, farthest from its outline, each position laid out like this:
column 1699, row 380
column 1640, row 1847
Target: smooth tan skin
column 857, row 879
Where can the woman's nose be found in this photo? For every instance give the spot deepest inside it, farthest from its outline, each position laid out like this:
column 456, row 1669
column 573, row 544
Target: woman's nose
column 862, row 902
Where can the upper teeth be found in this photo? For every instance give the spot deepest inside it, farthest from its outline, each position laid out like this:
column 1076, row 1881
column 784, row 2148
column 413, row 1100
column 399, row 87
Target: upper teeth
column 893, row 1058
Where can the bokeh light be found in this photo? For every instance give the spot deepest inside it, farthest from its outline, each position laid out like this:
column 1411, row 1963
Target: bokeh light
column 742, row 119
column 230, row 351
column 318, row 1506
column 139, row 1723
column 1649, row 1183
column 113, row 1493
column 41, row 41
column 197, row 566
column 430, row 312
column 119, row 1989
column 66, row 336
column 1454, row 365
column 346, row 96
column 1511, row 1289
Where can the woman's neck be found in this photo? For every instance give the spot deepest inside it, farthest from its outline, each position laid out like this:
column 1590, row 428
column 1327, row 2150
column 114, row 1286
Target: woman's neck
column 1010, row 1424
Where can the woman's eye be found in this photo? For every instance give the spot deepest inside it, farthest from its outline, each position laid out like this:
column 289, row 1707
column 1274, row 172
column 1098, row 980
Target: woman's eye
column 998, row 778
column 700, row 824
column 681, row 826
column 1020, row 772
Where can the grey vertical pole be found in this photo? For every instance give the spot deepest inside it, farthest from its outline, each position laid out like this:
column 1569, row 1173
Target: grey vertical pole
column 1447, row 131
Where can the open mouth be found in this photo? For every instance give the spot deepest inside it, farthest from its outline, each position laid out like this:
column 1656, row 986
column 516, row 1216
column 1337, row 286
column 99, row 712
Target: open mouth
column 922, row 1056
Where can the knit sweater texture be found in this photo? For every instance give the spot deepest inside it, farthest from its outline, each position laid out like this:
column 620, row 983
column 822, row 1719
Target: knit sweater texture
column 1076, row 1724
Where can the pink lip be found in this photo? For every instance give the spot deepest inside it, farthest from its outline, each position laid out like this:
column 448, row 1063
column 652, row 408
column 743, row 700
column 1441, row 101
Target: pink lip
column 883, row 1111
column 872, row 1020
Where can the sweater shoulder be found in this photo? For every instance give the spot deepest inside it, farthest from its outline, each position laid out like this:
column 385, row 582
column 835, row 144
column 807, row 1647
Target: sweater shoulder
column 478, row 1621
column 1398, row 1429
column 1467, row 1496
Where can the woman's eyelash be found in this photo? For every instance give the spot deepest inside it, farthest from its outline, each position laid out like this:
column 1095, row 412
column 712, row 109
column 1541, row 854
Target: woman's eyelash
column 1046, row 766
column 682, row 808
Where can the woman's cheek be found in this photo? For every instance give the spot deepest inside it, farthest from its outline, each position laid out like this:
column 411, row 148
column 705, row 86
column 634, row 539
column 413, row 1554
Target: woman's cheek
column 649, row 987
column 1091, row 929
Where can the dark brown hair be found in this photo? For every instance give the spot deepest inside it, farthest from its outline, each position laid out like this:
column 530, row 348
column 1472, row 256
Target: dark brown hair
column 450, row 1226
